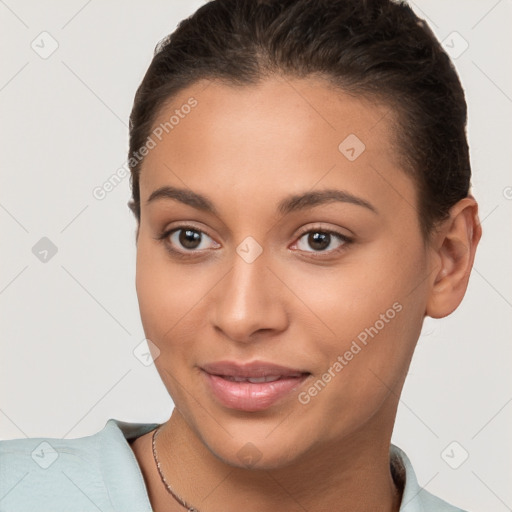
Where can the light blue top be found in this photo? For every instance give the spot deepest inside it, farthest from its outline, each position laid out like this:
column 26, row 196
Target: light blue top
column 100, row 472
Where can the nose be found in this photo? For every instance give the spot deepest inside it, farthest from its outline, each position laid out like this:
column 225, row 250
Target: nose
column 249, row 301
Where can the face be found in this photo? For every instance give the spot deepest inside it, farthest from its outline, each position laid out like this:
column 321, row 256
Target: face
column 331, row 285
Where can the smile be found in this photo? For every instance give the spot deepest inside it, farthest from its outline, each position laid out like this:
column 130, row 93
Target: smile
column 251, row 393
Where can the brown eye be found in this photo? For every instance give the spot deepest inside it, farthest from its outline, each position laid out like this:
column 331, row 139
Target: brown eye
column 189, row 238
column 321, row 240
column 186, row 240
column 318, row 240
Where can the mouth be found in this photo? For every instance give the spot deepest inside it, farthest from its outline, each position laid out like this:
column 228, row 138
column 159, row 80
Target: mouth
column 251, row 387
column 259, row 380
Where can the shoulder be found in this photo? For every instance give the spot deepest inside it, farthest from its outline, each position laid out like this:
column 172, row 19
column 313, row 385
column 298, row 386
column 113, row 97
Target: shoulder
column 51, row 473
column 414, row 497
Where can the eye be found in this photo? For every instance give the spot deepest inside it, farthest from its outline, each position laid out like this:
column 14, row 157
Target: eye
column 320, row 240
column 186, row 239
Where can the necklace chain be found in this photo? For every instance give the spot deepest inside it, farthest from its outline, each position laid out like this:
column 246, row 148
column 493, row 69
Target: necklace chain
column 181, row 501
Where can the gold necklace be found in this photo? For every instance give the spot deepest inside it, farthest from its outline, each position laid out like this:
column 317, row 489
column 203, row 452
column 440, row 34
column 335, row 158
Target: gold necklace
column 181, row 501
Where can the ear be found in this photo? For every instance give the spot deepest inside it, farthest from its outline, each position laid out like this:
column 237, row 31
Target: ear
column 453, row 251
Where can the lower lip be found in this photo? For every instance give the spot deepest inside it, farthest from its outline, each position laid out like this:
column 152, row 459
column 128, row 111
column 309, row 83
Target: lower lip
column 246, row 396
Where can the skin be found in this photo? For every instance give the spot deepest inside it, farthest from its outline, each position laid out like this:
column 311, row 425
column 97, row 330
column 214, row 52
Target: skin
column 247, row 148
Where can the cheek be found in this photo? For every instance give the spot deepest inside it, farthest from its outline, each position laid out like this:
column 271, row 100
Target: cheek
column 169, row 295
column 366, row 369
column 374, row 311
column 158, row 289
column 165, row 299
column 352, row 296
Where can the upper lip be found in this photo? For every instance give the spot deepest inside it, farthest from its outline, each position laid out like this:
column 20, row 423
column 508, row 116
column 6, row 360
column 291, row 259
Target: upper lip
column 252, row 369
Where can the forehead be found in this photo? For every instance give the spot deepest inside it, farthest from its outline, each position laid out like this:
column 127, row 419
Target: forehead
column 279, row 135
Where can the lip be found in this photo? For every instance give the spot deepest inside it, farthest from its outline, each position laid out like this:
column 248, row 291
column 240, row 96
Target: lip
column 248, row 396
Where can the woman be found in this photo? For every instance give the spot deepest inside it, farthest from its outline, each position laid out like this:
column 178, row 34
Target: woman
column 301, row 185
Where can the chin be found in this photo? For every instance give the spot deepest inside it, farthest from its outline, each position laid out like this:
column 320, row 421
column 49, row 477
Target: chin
column 255, row 458
column 252, row 450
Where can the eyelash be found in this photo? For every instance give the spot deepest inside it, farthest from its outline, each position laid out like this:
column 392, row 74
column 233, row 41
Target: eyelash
column 163, row 236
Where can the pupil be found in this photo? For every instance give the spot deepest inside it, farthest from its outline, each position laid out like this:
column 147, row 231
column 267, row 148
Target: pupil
column 319, row 238
column 188, row 238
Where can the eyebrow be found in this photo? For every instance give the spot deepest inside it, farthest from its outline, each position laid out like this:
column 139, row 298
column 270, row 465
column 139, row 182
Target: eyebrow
column 288, row 205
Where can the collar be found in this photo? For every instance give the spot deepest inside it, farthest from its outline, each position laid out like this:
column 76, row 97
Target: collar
column 117, row 433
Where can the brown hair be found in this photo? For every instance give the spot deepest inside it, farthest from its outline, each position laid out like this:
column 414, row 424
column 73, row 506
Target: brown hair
column 378, row 49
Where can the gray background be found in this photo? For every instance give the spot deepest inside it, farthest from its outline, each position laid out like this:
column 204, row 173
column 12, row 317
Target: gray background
column 70, row 324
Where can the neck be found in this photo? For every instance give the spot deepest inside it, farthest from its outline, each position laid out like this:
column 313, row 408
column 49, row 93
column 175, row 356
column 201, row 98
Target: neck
column 354, row 475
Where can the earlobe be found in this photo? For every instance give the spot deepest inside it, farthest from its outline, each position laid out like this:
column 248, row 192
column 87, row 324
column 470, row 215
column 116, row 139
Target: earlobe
column 454, row 250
